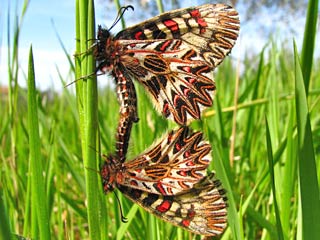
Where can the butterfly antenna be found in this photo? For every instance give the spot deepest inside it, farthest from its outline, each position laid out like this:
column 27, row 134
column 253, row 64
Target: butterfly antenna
column 84, row 77
column 120, row 14
column 123, row 218
column 94, row 149
column 91, row 169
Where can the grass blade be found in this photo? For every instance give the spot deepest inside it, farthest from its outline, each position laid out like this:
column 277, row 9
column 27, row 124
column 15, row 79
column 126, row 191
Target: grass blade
column 233, row 219
column 271, row 170
column 309, row 42
column 4, row 226
column 308, row 180
column 38, row 193
column 287, row 191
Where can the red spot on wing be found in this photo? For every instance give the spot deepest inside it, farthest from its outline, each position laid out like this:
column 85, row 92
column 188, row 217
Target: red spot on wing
column 164, row 206
column 186, row 91
column 160, row 188
column 169, row 139
column 165, row 110
column 186, row 69
column 202, row 22
column 190, row 163
column 133, row 183
column 178, row 147
column 176, row 99
column 191, row 214
column 165, row 45
column 185, row 223
column 192, row 80
column 182, row 173
column 172, row 25
column 138, row 35
column 195, row 13
column 186, row 155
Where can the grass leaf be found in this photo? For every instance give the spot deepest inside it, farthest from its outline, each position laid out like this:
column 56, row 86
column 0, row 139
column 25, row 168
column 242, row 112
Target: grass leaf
column 309, row 41
column 38, row 194
column 308, row 179
column 271, row 166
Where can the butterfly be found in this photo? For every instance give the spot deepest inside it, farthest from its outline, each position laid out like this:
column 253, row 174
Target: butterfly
column 170, row 181
column 172, row 56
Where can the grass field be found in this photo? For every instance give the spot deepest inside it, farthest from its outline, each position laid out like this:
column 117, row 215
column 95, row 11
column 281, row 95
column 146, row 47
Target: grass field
column 265, row 137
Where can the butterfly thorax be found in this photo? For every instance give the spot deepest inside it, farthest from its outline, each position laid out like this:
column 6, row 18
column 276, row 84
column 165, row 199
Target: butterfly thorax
column 111, row 172
column 107, row 51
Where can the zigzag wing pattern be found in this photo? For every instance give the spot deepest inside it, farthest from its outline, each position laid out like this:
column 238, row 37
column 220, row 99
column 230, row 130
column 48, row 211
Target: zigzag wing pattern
column 175, row 164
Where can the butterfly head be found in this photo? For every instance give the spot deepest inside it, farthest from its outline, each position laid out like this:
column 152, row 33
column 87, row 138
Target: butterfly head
column 100, row 47
column 108, row 172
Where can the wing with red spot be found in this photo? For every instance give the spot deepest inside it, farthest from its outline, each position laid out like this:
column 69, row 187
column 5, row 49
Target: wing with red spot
column 173, row 165
column 179, row 80
column 201, row 210
column 174, row 54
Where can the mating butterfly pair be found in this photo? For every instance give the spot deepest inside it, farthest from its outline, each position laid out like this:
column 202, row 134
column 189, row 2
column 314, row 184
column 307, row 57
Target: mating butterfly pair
column 173, row 56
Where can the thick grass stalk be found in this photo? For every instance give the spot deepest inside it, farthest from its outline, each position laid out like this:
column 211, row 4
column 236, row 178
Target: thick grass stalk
column 87, row 98
column 38, row 193
column 308, row 179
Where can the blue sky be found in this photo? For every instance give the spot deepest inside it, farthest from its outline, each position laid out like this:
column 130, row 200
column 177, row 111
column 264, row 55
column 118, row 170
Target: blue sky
column 38, row 30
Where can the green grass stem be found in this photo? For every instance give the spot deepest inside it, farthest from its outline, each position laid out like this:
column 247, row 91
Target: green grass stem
column 87, row 97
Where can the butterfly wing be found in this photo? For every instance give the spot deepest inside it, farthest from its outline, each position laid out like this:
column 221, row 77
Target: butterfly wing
column 173, row 55
column 201, row 210
column 178, row 78
column 169, row 181
column 173, row 165
column 210, row 29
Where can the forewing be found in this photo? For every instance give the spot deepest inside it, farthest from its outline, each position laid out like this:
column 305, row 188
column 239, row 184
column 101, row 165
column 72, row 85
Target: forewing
column 173, row 165
column 178, row 78
column 201, row 210
column 173, row 56
column 210, row 29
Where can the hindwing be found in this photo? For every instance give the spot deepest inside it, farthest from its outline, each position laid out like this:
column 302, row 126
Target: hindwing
column 202, row 209
column 173, row 165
